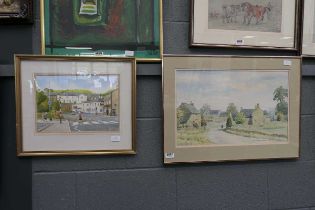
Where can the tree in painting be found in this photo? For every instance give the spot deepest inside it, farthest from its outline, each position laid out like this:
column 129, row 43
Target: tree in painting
column 281, row 96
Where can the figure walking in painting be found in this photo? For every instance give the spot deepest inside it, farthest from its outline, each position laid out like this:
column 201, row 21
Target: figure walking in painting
column 60, row 116
column 203, row 122
column 80, row 116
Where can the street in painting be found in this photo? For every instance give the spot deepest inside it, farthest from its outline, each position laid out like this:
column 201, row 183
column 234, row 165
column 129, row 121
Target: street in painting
column 77, row 104
column 232, row 107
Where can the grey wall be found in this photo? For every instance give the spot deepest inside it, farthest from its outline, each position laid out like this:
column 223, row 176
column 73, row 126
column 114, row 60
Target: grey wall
column 15, row 173
column 142, row 181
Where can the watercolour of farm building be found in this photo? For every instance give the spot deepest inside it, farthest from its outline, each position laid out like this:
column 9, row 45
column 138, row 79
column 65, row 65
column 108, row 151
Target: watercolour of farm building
column 231, row 107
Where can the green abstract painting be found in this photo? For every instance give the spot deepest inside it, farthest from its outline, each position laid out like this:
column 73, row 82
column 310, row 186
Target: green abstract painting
column 102, row 27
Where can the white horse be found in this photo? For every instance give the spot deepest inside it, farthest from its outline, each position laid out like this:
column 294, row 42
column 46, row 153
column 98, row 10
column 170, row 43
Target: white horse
column 230, row 13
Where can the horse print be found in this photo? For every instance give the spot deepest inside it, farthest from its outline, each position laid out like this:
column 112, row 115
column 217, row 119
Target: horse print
column 255, row 11
column 245, row 15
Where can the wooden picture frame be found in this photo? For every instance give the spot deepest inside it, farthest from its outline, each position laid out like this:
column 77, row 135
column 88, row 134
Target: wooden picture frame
column 245, row 24
column 114, row 28
column 75, row 105
column 308, row 42
column 16, row 11
column 222, row 108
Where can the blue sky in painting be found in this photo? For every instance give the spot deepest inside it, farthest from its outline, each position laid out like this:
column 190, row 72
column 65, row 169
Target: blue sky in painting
column 96, row 84
column 219, row 88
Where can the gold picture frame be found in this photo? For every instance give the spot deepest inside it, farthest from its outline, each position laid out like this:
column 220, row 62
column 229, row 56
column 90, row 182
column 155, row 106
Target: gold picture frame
column 230, row 108
column 75, row 105
column 107, row 48
column 246, row 24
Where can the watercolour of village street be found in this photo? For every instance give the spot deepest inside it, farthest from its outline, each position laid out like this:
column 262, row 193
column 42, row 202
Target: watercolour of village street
column 77, row 104
column 231, row 107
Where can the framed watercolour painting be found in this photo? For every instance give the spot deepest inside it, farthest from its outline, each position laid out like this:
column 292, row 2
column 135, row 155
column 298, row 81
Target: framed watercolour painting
column 248, row 24
column 308, row 46
column 16, row 11
column 230, row 108
column 75, row 105
column 102, row 28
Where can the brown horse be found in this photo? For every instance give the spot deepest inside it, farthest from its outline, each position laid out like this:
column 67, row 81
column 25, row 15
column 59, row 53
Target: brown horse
column 254, row 11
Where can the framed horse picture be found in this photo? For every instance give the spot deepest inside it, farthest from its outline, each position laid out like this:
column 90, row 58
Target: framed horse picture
column 245, row 24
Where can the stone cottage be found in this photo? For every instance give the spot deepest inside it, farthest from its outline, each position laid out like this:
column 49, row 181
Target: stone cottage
column 191, row 115
column 255, row 116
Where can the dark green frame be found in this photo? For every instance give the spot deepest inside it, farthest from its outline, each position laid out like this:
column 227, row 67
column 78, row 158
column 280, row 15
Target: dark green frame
column 96, row 43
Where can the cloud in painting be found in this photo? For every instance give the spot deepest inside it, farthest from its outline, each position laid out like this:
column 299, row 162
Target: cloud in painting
column 96, row 84
column 219, row 88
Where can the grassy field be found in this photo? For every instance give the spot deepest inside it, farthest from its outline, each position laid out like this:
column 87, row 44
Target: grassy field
column 192, row 137
column 256, row 134
column 274, row 130
column 213, row 133
column 273, row 127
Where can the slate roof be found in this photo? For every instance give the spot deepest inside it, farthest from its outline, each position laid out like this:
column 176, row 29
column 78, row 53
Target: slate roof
column 212, row 112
